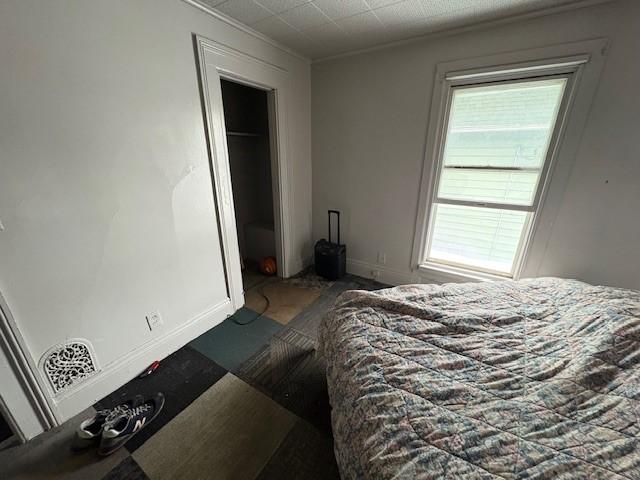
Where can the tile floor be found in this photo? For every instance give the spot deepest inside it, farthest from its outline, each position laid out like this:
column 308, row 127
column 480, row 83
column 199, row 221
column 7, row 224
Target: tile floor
column 242, row 401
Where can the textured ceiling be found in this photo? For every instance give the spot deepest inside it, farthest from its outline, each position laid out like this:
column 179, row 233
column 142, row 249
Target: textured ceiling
column 321, row 28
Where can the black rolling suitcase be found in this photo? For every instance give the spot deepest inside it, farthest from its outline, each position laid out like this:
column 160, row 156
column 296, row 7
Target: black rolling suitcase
column 331, row 258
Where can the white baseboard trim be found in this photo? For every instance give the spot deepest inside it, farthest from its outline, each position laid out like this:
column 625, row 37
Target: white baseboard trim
column 381, row 273
column 119, row 372
column 298, row 265
column 391, row 276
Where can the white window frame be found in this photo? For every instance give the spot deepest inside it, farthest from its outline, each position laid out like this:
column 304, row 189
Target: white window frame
column 565, row 71
column 581, row 64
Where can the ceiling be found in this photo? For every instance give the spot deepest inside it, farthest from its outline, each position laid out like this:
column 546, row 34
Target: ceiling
column 322, row 28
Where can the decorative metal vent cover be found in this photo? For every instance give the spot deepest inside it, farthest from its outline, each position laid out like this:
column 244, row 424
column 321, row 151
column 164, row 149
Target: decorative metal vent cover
column 68, row 364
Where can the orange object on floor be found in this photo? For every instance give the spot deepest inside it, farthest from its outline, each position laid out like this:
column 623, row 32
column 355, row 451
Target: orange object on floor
column 268, row 266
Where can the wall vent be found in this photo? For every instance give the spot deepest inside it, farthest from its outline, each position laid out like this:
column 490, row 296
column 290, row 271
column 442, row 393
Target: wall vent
column 69, row 364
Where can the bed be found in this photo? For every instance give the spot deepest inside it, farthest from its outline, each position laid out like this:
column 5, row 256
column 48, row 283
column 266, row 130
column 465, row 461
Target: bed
column 530, row 379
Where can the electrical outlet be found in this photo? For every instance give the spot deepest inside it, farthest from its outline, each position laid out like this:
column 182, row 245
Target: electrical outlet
column 154, row 320
column 382, row 258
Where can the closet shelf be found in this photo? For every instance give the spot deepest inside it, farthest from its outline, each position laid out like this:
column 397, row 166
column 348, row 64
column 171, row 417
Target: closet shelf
column 245, row 134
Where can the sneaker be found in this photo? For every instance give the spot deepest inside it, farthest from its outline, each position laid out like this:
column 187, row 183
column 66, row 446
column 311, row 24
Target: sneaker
column 89, row 432
column 119, row 430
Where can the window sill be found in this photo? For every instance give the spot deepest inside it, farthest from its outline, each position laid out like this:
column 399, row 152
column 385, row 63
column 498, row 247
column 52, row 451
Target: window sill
column 460, row 274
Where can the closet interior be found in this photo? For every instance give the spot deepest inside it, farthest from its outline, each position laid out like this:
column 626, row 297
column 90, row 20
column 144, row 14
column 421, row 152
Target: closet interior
column 246, row 112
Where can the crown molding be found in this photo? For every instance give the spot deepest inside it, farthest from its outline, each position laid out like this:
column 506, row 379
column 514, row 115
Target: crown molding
column 467, row 28
column 246, row 29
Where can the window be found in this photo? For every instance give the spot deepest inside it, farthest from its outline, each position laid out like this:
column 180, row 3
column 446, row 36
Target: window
column 494, row 153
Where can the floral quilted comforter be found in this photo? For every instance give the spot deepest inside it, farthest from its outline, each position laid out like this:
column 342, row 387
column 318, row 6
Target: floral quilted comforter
column 531, row 379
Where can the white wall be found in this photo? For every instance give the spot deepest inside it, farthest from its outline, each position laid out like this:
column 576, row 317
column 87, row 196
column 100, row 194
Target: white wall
column 369, row 121
column 105, row 189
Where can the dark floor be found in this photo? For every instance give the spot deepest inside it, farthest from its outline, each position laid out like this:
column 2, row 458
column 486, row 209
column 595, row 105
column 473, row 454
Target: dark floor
column 5, row 430
column 242, row 401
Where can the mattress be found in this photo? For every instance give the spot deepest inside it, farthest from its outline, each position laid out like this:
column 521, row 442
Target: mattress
column 531, row 379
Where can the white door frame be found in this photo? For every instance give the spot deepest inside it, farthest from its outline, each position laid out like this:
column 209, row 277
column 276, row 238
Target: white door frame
column 216, row 62
column 23, row 402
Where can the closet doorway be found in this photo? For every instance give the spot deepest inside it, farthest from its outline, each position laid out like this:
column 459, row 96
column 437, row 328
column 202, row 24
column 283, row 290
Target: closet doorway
column 219, row 67
column 252, row 163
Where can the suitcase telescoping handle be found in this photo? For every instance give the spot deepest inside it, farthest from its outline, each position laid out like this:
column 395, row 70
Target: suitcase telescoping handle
column 338, row 215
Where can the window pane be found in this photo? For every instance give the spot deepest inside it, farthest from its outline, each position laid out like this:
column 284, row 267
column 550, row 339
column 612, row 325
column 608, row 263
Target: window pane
column 503, row 125
column 515, row 188
column 484, row 238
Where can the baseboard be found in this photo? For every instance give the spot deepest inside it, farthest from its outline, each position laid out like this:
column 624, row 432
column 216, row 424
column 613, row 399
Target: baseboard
column 380, row 273
column 299, row 264
column 391, row 276
column 117, row 373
